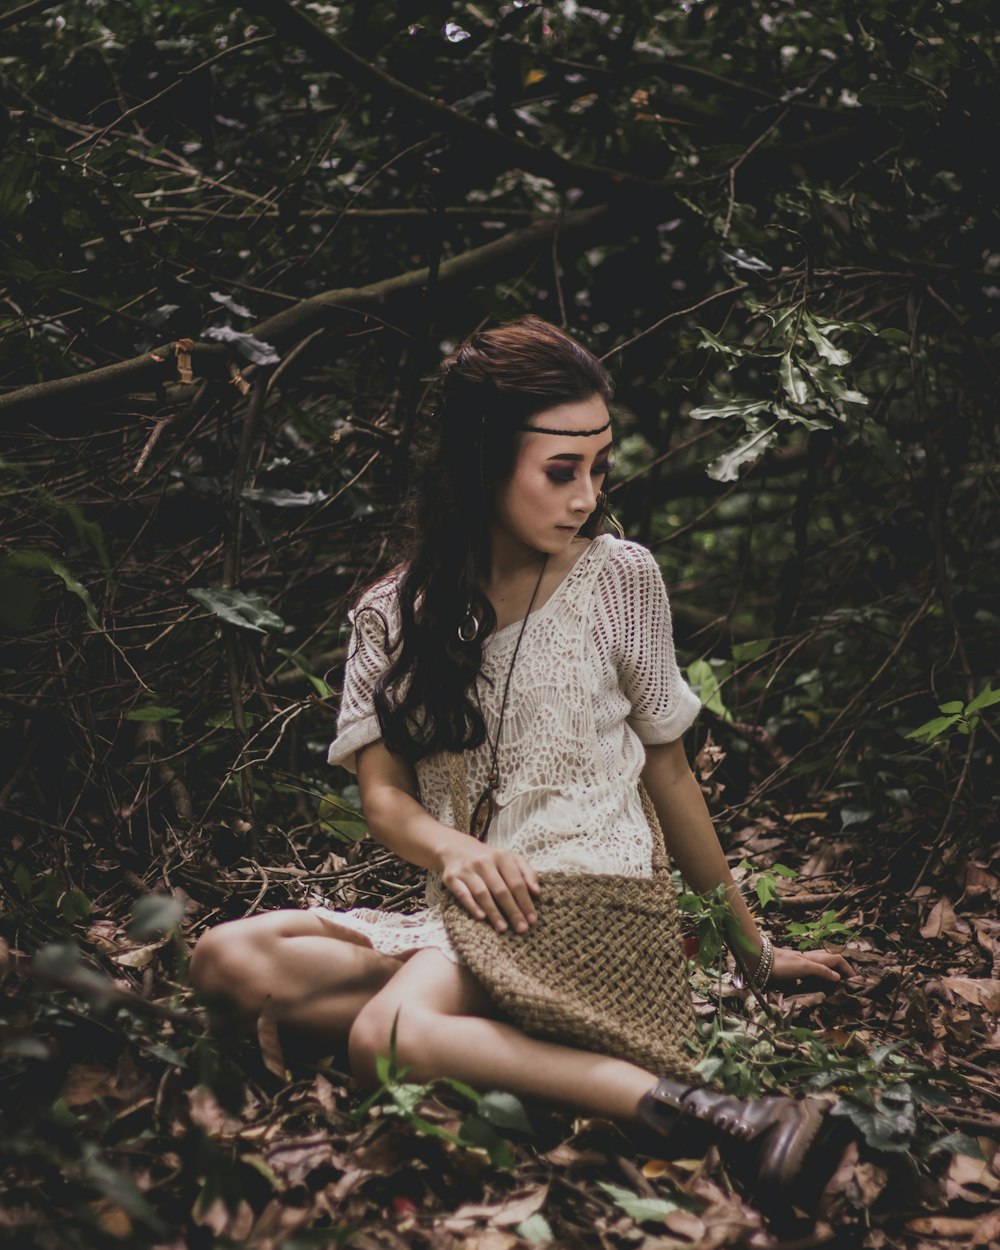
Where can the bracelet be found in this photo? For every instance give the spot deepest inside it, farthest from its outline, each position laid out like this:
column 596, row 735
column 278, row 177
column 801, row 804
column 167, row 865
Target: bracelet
column 759, row 977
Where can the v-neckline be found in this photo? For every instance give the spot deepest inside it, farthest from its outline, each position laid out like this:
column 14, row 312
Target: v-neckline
column 557, row 590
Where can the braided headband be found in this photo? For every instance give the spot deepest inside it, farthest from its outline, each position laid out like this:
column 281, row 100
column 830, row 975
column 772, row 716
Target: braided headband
column 540, row 429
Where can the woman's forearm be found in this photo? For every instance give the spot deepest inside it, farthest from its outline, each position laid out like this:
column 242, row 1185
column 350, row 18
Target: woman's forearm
column 398, row 821
column 396, row 817
column 689, row 835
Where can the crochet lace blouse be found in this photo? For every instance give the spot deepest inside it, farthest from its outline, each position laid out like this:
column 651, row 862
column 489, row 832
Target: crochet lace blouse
column 596, row 678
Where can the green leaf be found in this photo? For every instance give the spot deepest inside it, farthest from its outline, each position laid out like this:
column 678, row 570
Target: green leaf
column 642, row 1210
column 154, row 713
column 505, row 1111
column 43, row 562
column 730, row 408
column 888, row 1123
column 956, row 705
column 153, row 915
column 303, row 665
column 712, row 341
column 985, row 698
column 932, row 729
column 535, row 1229
column 74, row 905
column 477, row 1132
column 750, row 650
column 829, row 382
column 460, row 1087
column 830, row 352
column 237, row 608
column 890, row 95
column 957, row 1144
column 794, row 384
column 702, row 677
column 121, row 1189
column 750, row 447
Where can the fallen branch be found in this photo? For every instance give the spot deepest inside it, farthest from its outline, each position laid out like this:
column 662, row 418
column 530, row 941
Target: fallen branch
column 152, row 369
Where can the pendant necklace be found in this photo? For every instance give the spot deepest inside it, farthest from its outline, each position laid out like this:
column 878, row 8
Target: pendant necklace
column 485, row 808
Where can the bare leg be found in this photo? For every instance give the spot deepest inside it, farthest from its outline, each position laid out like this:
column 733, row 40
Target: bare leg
column 445, row 1029
column 317, row 974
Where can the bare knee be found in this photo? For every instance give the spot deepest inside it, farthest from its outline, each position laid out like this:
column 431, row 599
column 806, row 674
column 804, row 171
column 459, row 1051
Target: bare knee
column 371, row 1036
column 227, row 961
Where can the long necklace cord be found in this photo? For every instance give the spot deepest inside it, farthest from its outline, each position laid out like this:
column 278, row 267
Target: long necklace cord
column 485, row 808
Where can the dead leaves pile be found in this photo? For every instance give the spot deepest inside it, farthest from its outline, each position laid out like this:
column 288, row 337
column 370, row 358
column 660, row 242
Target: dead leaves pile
column 148, row 1134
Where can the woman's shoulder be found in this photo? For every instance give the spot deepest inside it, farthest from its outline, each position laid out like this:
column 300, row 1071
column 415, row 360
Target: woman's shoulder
column 626, row 560
column 380, row 596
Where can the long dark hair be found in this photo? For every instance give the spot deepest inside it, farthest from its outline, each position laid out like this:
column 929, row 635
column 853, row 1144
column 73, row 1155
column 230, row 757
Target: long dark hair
column 492, row 384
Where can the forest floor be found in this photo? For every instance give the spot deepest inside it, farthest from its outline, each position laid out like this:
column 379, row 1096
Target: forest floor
column 127, row 1120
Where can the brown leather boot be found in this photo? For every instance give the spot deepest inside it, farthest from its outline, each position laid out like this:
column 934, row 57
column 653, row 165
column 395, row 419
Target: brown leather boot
column 767, row 1138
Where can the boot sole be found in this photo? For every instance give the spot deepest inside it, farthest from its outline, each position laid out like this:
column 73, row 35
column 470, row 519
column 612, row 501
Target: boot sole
column 778, row 1174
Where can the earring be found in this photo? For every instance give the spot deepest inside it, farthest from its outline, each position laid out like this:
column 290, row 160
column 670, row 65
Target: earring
column 468, row 629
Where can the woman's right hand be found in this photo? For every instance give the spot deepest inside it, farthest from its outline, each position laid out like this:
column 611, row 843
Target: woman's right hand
column 491, row 884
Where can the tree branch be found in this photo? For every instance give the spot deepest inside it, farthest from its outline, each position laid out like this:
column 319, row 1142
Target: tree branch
column 26, row 11
column 511, row 151
column 154, row 368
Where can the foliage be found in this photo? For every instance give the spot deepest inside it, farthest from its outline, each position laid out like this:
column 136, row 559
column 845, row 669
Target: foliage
column 491, row 1111
column 234, row 242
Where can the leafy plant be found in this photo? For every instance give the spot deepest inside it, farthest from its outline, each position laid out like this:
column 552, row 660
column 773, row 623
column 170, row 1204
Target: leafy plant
column 492, row 1111
column 711, row 914
column 962, row 717
column 811, row 934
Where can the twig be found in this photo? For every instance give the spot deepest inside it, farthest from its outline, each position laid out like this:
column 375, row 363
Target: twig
column 680, row 312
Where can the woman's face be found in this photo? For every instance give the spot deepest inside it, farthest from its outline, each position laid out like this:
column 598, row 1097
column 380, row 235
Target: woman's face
column 556, row 478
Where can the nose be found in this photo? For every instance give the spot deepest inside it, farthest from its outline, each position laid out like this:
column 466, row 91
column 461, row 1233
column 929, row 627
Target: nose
column 585, row 497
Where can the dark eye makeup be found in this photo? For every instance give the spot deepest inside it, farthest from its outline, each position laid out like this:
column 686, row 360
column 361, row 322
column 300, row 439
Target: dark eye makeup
column 562, row 476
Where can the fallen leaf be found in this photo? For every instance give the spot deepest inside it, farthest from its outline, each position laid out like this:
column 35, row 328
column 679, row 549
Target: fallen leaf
column 105, row 935
column 970, row 1180
column 983, row 992
column 519, row 1207
column 977, row 881
column 686, row 1224
column 138, row 957
column 223, row 1223
column 294, row 1160
column 87, row 1081
column 979, row 1231
column 325, row 1095
column 940, row 921
column 567, row 1156
column 112, row 1218
column 269, row 1040
column 205, row 1112
column 491, row 1239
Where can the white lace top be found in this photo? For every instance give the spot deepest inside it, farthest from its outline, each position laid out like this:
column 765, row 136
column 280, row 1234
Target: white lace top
column 595, row 679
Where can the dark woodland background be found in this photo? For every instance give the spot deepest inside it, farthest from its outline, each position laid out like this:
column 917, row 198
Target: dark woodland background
column 234, row 242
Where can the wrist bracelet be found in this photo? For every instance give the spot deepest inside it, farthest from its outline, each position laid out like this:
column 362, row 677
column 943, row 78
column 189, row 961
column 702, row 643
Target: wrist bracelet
column 761, row 974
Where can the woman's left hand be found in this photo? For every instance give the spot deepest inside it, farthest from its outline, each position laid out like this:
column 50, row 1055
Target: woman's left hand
column 823, row 969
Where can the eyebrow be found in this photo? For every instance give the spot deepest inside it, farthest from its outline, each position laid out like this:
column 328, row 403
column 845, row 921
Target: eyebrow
column 572, row 455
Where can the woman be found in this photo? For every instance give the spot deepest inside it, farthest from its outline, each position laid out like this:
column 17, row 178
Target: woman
column 540, row 648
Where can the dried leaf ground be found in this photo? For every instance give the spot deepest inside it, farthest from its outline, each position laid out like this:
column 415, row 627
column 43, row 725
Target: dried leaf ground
column 127, row 1123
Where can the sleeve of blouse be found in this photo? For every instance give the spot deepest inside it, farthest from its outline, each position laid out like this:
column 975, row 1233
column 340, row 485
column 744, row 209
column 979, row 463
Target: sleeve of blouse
column 357, row 724
column 663, row 704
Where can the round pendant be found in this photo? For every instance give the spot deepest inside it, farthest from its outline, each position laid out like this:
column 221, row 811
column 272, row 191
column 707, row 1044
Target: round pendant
column 468, row 630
